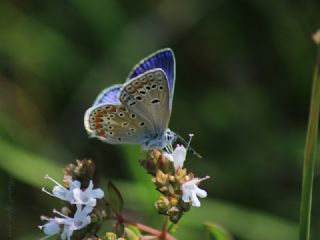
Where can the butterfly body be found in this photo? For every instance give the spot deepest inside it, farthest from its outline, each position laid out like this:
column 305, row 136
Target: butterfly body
column 137, row 112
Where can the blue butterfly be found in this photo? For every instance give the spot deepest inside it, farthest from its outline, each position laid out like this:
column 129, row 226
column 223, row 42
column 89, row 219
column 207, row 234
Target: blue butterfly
column 138, row 111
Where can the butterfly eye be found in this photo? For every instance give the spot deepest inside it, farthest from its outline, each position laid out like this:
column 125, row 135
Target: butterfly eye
column 147, row 88
column 111, row 115
column 111, row 133
column 119, row 139
column 132, row 129
column 160, row 88
column 133, row 115
column 110, row 127
column 154, row 86
column 150, row 76
column 141, row 124
column 121, row 114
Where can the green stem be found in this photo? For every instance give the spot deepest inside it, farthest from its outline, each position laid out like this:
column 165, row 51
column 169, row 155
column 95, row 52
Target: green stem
column 309, row 156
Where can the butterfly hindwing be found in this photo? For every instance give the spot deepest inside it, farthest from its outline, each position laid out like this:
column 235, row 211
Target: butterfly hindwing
column 115, row 124
column 147, row 95
column 163, row 59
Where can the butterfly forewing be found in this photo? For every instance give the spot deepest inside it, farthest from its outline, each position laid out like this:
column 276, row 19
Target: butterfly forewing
column 147, row 95
column 163, row 59
column 115, row 124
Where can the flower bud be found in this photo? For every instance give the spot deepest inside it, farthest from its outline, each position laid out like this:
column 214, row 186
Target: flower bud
column 110, row 236
column 180, row 174
column 162, row 178
column 162, row 204
column 175, row 214
column 173, row 201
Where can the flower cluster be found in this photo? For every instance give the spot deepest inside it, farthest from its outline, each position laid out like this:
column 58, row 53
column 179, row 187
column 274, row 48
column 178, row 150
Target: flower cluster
column 86, row 207
column 81, row 202
column 179, row 189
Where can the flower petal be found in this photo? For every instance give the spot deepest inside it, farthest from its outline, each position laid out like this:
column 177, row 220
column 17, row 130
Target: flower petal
column 179, row 156
column 74, row 184
column 77, row 196
column 200, row 192
column 51, row 228
column 60, row 192
column 97, row 193
column 195, row 200
column 168, row 156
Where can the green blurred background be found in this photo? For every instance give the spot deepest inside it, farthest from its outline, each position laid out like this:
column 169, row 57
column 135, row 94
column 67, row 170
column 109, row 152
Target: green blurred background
column 243, row 82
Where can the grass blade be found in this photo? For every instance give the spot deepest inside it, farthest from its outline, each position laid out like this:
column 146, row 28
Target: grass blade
column 310, row 150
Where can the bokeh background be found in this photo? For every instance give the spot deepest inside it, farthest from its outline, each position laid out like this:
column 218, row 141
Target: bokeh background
column 244, row 72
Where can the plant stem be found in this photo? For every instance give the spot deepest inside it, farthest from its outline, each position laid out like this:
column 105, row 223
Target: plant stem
column 148, row 229
column 165, row 226
column 309, row 155
column 142, row 227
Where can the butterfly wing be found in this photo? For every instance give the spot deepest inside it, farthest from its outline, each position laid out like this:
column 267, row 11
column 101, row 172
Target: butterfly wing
column 115, row 124
column 109, row 95
column 137, row 112
column 147, row 95
column 163, row 59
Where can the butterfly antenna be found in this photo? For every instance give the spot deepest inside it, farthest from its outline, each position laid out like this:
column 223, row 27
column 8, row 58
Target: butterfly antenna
column 187, row 144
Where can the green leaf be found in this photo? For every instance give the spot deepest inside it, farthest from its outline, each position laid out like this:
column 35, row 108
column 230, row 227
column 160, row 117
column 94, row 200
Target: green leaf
column 216, row 232
column 116, row 200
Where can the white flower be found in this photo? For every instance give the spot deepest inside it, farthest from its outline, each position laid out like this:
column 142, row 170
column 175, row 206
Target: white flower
column 87, row 197
column 178, row 156
column 74, row 194
column 61, row 192
column 80, row 219
column 51, row 227
column 191, row 192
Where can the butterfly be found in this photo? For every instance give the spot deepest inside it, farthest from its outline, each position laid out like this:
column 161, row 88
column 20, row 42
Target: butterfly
column 138, row 111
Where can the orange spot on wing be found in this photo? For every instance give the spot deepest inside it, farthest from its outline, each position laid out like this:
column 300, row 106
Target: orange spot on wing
column 98, row 120
column 131, row 91
column 112, row 109
column 99, row 115
column 101, row 132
